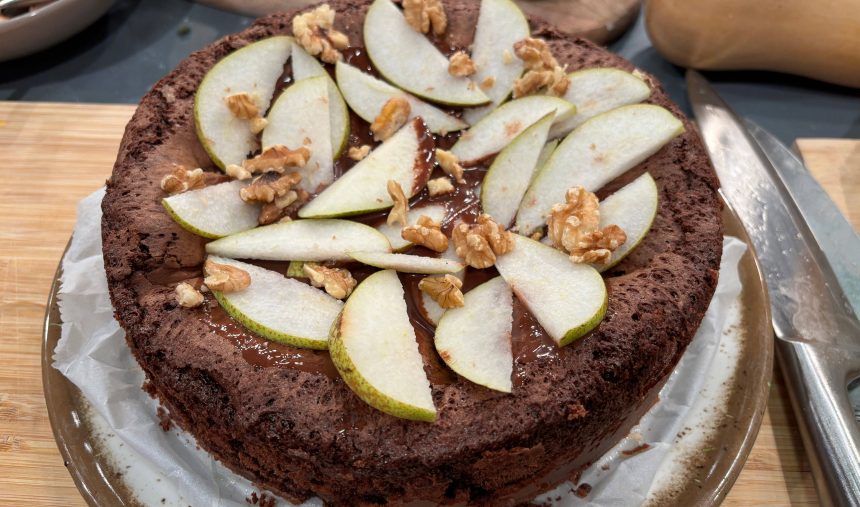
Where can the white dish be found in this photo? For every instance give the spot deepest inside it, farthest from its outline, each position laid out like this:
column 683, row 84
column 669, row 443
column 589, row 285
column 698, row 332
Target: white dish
column 48, row 25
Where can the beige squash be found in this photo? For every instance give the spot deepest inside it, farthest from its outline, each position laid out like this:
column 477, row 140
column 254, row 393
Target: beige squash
column 817, row 39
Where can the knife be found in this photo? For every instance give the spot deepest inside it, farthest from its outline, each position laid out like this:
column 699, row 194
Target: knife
column 833, row 233
column 818, row 335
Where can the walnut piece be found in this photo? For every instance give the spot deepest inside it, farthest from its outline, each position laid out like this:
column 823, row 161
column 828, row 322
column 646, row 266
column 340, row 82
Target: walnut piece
column 276, row 159
column 266, row 189
column 479, row 244
column 450, row 164
column 543, row 73
column 187, row 296
column 358, row 152
column 460, row 65
column 439, row 186
column 337, row 282
column 182, row 179
column 393, row 115
column 445, row 290
column 397, row 215
column 238, row 172
column 276, row 211
column 314, row 31
column 224, row 278
column 424, row 14
column 574, row 226
column 426, row 233
column 242, row 106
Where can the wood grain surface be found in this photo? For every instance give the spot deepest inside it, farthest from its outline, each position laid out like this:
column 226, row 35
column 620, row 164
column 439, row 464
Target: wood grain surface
column 56, row 154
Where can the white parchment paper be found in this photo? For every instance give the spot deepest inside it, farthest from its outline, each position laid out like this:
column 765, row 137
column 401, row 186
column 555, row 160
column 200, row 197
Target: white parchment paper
column 92, row 353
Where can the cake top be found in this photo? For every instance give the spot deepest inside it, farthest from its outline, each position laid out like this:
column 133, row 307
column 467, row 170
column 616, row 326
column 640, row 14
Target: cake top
column 475, row 181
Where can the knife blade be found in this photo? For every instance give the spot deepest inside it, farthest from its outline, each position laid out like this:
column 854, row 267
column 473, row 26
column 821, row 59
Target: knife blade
column 836, row 237
column 818, row 343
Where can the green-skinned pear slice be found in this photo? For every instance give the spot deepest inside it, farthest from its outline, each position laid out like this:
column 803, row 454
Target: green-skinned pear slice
column 500, row 24
column 213, row 212
column 301, row 240
column 545, row 153
column 300, row 117
column 374, row 348
column 595, row 153
column 475, row 339
column 279, row 308
column 596, row 91
column 429, row 308
column 364, row 188
column 409, row 60
column 499, row 128
column 435, row 211
column 405, row 263
column 253, row 69
column 296, row 269
column 567, row 299
column 366, row 95
column 305, row 66
column 511, row 172
column 632, row 208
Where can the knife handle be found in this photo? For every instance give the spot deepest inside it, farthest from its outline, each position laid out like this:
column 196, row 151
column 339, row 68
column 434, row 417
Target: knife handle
column 818, row 377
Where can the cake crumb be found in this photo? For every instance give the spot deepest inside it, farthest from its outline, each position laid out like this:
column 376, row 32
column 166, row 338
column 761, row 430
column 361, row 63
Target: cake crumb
column 583, row 490
column 636, row 450
column 576, row 411
column 164, row 419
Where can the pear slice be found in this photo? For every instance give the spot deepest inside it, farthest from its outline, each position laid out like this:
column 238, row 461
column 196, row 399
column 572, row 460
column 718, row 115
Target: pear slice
column 300, row 117
column 410, row 61
column 596, row 91
column 253, row 69
column 296, row 269
column 499, row 128
column 279, row 308
column 305, row 66
column 437, row 212
column 301, row 240
column 374, row 348
column 500, row 24
column 567, row 299
column 213, row 212
column 475, row 339
column 511, row 172
column 408, row 263
column 364, row 188
column 366, row 95
column 633, row 208
column 545, row 153
column 429, row 308
column 595, row 153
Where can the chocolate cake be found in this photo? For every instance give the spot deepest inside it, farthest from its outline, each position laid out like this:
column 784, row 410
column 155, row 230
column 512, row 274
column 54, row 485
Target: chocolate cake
column 282, row 417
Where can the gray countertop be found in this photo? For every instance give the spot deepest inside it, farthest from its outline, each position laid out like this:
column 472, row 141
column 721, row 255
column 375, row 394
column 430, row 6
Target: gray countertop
column 121, row 55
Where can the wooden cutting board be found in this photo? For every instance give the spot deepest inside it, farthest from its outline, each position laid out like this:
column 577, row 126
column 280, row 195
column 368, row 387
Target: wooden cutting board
column 601, row 21
column 56, row 154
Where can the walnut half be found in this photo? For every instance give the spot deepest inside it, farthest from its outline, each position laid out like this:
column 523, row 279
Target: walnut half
column 543, row 73
column 224, row 278
column 445, row 290
column 315, row 33
column 277, row 158
column 337, row 282
column 424, row 14
column 479, row 244
column 182, row 179
column 426, row 233
column 574, row 227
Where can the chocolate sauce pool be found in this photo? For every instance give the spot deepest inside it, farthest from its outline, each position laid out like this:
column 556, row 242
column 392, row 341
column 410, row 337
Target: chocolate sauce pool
column 528, row 339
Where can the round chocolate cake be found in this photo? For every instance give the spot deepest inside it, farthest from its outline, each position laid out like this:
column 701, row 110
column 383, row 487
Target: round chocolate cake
column 283, row 417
